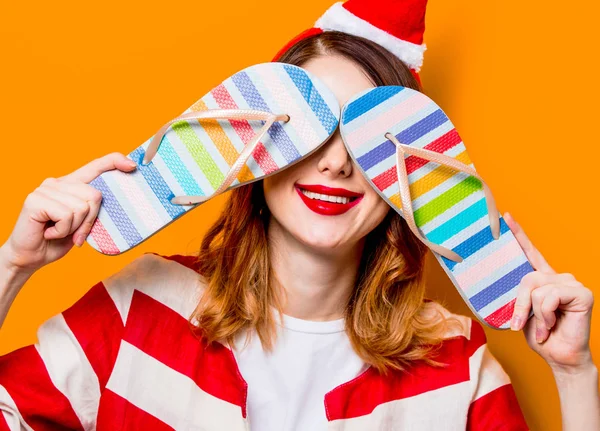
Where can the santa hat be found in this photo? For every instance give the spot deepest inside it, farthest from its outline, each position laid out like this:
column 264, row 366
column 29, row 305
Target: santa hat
column 397, row 25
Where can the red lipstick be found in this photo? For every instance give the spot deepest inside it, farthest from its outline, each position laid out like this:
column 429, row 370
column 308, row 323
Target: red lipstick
column 324, row 207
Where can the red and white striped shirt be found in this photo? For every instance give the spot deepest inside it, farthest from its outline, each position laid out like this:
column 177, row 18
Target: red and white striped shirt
column 123, row 357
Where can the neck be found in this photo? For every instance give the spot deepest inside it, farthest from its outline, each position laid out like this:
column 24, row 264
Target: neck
column 317, row 283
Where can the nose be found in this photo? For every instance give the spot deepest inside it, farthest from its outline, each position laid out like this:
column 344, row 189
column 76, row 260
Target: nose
column 334, row 160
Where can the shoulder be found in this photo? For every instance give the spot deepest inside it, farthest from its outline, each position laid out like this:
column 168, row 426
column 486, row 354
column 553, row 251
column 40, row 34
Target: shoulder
column 461, row 327
column 467, row 343
column 171, row 280
column 493, row 401
column 464, row 338
column 157, row 265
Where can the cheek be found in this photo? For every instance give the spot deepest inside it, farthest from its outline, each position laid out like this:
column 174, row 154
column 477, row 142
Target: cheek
column 277, row 190
column 376, row 210
column 279, row 187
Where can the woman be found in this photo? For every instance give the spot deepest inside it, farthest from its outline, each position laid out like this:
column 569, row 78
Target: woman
column 356, row 346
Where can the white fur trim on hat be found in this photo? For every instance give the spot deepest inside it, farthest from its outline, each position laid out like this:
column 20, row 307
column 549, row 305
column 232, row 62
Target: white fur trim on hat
column 339, row 18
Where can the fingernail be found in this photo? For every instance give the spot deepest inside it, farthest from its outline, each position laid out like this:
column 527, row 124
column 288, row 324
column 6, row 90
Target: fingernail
column 515, row 323
column 79, row 240
column 538, row 335
column 131, row 163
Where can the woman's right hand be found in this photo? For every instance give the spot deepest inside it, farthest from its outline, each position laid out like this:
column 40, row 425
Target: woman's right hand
column 57, row 215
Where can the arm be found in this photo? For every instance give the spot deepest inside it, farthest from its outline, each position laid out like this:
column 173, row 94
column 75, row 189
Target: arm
column 559, row 331
column 55, row 216
column 11, row 282
column 579, row 399
column 56, row 383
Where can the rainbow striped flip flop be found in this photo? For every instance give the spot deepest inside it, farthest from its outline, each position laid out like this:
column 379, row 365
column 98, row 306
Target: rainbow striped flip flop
column 258, row 121
column 438, row 192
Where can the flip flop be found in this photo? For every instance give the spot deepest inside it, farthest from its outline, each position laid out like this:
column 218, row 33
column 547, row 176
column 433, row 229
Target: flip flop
column 255, row 123
column 437, row 191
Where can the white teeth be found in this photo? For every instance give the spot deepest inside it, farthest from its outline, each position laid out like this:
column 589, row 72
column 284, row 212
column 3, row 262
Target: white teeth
column 327, row 198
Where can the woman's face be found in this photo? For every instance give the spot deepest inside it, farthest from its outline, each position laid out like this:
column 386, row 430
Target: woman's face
column 308, row 218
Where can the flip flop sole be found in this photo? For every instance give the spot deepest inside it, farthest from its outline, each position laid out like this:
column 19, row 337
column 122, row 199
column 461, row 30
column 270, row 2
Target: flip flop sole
column 195, row 156
column 449, row 206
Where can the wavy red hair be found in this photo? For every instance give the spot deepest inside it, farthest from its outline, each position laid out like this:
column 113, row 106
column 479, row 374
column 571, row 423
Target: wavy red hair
column 389, row 321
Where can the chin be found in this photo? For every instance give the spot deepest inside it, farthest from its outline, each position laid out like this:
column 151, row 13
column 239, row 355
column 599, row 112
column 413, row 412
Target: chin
column 319, row 239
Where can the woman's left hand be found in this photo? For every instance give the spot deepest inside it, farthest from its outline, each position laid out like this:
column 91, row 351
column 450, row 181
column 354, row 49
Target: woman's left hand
column 559, row 331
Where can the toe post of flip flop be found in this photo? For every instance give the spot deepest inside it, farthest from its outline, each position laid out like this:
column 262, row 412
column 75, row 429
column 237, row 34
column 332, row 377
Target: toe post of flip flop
column 269, row 116
column 410, row 152
column 255, row 123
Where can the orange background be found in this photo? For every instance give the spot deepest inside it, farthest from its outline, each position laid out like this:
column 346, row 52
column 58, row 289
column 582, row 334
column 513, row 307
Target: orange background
column 79, row 80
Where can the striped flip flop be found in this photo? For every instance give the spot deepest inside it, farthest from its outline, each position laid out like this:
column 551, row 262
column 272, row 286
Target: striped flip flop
column 438, row 192
column 258, row 121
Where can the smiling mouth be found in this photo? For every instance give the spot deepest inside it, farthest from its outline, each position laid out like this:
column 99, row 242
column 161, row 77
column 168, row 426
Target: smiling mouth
column 327, row 198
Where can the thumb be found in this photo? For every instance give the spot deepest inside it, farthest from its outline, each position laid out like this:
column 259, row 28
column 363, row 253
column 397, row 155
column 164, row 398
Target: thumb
column 96, row 167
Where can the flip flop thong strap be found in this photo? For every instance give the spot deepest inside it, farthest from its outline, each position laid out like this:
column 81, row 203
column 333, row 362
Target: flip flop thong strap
column 241, row 114
column 442, row 159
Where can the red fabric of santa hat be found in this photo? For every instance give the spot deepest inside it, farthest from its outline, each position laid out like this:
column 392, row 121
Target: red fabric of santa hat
column 397, row 25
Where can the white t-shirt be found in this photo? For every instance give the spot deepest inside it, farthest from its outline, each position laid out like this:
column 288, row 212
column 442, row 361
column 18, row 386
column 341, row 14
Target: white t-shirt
column 287, row 387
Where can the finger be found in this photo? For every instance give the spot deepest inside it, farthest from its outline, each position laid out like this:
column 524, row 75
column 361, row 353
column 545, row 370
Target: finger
column 541, row 328
column 545, row 301
column 96, row 167
column 92, row 197
column 521, row 308
column 528, row 283
column 533, row 254
column 82, row 190
column 80, row 235
column 78, row 207
column 45, row 209
column 541, row 332
column 84, row 230
column 549, row 306
column 574, row 297
column 550, row 298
